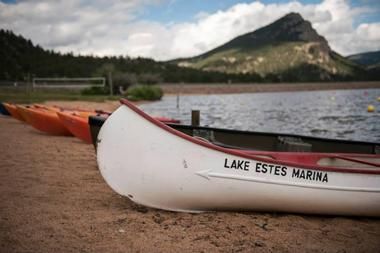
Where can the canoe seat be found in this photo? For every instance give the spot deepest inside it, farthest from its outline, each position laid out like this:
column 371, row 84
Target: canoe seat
column 202, row 139
column 292, row 144
column 204, row 134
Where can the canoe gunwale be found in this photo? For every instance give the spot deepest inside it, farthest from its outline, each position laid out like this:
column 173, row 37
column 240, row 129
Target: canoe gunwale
column 257, row 155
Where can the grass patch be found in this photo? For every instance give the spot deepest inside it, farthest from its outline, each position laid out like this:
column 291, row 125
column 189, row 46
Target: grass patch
column 22, row 95
column 144, row 92
column 94, row 90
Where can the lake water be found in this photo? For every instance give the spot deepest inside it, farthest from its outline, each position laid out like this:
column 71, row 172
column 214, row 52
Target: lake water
column 339, row 114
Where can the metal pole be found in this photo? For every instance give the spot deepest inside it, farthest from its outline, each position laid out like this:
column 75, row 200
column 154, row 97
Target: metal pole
column 110, row 83
column 195, row 117
column 28, row 84
column 179, row 91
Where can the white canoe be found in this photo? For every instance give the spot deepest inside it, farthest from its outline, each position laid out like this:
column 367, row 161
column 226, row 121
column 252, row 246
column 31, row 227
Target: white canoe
column 157, row 166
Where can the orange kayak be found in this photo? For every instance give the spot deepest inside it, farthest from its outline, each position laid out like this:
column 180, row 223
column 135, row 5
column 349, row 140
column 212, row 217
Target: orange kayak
column 44, row 120
column 23, row 112
column 12, row 109
column 77, row 124
column 48, row 107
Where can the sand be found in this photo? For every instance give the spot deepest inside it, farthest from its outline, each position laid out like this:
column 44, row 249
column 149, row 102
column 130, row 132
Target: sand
column 53, row 199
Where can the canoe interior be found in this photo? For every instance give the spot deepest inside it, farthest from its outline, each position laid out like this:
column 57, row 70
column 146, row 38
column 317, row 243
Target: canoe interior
column 262, row 141
column 277, row 142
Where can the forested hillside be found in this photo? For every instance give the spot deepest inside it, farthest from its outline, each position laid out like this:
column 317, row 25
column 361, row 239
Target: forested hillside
column 19, row 58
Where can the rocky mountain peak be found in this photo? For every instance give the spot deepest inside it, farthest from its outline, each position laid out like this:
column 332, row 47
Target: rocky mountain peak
column 290, row 28
column 293, row 27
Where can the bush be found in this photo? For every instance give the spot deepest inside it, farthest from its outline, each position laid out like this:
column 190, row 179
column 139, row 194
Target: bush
column 95, row 90
column 144, row 92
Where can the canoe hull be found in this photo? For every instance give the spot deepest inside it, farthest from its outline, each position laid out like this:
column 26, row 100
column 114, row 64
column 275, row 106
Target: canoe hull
column 154, row 167
column 4, row 110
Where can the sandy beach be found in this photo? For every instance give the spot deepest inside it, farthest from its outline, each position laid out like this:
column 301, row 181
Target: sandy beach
column 53, row 199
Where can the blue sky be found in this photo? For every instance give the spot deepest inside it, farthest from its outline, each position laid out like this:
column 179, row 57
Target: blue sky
column 166, row 29
column 174, row 11
column 184, row 10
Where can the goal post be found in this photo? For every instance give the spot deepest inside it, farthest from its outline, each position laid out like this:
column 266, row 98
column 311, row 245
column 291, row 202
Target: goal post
column 66, row 82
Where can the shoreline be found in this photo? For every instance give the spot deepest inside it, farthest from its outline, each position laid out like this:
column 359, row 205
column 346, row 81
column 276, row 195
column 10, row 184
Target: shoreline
column 208, row 89
column 200, row 88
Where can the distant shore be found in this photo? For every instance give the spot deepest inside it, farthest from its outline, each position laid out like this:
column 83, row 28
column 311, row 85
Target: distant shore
column 172, row 89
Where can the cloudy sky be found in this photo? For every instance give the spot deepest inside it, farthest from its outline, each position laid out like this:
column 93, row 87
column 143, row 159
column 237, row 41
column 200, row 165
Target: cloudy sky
column 167, row 29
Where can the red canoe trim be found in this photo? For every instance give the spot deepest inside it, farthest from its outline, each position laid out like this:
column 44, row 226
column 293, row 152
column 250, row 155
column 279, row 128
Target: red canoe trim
column 253, row 154
column 167, row 120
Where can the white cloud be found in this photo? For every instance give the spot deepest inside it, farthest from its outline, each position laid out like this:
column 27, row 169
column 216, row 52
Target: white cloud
column 366, row 36
column 371, row 32
column 103, row 27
